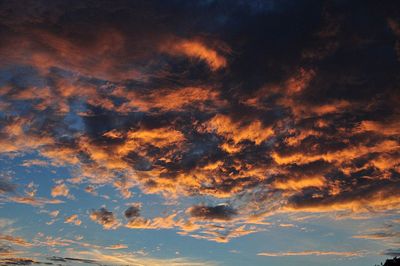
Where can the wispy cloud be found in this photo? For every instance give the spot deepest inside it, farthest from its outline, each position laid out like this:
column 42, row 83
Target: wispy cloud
column 313, row 253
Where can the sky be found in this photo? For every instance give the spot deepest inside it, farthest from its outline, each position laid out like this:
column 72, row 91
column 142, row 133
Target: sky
column 199, row 132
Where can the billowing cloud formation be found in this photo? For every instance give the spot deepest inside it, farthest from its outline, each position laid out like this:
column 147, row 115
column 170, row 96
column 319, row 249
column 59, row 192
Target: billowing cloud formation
column 226, row 109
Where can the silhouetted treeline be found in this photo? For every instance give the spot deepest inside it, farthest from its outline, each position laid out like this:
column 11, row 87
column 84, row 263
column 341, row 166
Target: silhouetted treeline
column 392, row 262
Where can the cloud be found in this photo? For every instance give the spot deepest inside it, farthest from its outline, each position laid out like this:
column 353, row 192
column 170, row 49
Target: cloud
column 220, row 212
column 7, row 251
column 166, row 222
column 52, row 243
column 73, row 219
column 17, row 261
column 132, row 211
column 218, row 232
column 392, row 252
column 164, row 100
column 61, row 259
column 125, row 258
column 387, row 235
column 34, row 162
column 232, row 130
column 313, row 253
column 196, row 49
column 58, row 51
column 31, row 189
column 34, row 201
column 95, row 257
column 60, row 190
column 19, row 241
column 379, row 235
column 304, row 123
column 117, row 246
column 6, row 186
column 105, row 218
column 395, row 27
column 299, row 184
column 377, row 196
column 54, row 214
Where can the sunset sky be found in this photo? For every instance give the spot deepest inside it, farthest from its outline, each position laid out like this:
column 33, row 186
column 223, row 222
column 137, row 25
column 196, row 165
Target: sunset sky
column 199, row 132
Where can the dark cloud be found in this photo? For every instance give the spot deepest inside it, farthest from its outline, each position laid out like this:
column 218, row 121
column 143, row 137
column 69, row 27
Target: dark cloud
column 19, row 261
column 67, row 259
column 6, row 186
column 219, row 212
column 132, row 211
column 105, row 218
column 54, row 260
column 392, row 252
column 378, row 194
column 6, row 250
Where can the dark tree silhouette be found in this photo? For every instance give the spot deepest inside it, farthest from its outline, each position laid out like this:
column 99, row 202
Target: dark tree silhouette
column 392, row 262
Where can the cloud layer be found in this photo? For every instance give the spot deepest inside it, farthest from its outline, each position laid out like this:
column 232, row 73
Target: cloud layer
column 257, row 110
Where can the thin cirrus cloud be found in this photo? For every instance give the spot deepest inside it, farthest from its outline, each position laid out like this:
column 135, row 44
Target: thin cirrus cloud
column 312, row 253
column 19, row 241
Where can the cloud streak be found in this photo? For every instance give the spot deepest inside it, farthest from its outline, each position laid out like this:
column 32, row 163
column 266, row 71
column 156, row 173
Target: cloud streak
column 312, row 253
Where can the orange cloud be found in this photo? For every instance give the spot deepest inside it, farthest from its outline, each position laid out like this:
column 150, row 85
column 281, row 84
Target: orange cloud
column 97, row 58
column 159, row 137
column 220, row 233
column 60, row 190
column 196, row 49
column 127, row 258
column 117, row 246
column 169, row 99
column 17, row 139
column 299, row 82
column 300, row 183
column 73, row 219
column 341, row 155
column 384, row 128
column 379, row 199
column 237, row 131
column 33, row 200
column 19, row 241
column 154, row 223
